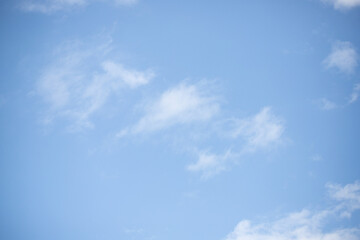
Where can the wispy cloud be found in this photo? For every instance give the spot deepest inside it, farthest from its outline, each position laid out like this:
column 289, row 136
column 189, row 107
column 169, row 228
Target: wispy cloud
column 307, row 224
column 326, row 104
column 349, row 196
column 51, row 6
column 130, row 77
column 260, row 131
column 80, row 81
column 343, row 56
column 182, row 104
column 210, row 164
column 355, row 94
column 187, row 104
column 343, row 4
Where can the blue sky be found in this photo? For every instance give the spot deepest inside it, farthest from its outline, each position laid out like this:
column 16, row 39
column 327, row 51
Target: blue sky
column 157, row 120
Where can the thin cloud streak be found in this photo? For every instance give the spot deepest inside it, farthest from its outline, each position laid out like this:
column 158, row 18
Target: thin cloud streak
column 180, row 105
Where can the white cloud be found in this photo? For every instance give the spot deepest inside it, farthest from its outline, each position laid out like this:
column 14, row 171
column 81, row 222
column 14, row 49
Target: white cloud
column 182, row 104
column 306, row 224
column 343, row 4
column 261, row 130
column 131, row 77
column 343, row 56
column 209, row 164
column 355, row 94
column 349, row 195
column 75, row 90
column 50, row 6
column 326, row 104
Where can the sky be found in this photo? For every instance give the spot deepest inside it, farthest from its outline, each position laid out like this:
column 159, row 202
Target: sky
column 158, row 120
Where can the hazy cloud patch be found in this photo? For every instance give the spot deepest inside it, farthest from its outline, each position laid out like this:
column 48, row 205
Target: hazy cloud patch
column 343, row 4
column 343, row 56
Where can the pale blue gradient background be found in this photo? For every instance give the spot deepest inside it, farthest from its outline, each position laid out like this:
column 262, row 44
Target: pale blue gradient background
column 84, row 185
